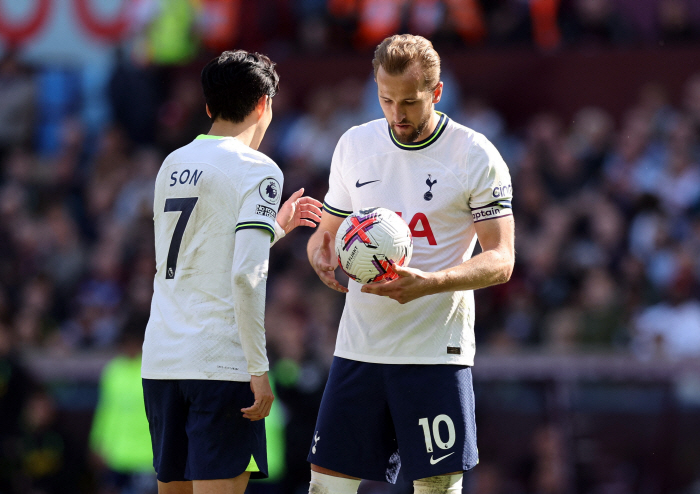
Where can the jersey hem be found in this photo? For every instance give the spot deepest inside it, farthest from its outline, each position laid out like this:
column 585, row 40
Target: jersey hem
column 374, row 359
column 200, row 376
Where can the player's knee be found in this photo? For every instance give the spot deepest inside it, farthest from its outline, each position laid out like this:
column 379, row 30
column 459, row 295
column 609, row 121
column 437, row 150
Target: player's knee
column 328, row 484
column 440, row 484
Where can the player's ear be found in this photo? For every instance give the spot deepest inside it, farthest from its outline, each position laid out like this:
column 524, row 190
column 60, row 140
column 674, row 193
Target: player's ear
column 206, row 107
column 437, row 93
column 261, row 106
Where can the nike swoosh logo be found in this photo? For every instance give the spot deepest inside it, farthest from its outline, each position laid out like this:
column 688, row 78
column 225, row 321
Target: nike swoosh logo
column 358, row 184
column 433, row 462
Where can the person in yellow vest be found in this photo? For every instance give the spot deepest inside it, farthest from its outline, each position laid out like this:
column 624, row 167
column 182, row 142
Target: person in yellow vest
column 119, row 438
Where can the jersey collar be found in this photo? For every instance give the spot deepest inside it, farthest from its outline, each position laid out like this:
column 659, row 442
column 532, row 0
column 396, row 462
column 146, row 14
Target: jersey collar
column 206, row 136
column 414, row 146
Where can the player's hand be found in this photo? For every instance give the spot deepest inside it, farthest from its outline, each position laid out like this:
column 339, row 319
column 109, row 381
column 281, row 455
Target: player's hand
column 299, row 211
column 260, row 385
column 324, row 263
column 410, row 285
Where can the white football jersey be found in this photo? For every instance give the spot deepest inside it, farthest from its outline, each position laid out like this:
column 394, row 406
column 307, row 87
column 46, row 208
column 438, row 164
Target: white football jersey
column 440, row 186
column 204, row 192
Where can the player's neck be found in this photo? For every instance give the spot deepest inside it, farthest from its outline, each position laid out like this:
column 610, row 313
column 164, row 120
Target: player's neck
column 432, row 125
column 243, row 131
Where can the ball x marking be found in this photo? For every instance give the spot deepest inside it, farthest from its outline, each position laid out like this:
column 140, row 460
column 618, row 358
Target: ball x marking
column 359, row 230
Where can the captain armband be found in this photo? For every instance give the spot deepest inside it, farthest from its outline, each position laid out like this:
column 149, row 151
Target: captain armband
column 496, row 209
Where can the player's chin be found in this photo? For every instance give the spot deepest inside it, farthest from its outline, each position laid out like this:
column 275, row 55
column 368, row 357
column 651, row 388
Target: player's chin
column 403, row 132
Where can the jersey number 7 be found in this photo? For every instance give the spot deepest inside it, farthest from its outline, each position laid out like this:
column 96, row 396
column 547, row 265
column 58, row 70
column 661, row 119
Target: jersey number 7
column 185, row 205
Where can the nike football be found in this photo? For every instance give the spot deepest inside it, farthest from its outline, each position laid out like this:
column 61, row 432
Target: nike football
column 371, row 241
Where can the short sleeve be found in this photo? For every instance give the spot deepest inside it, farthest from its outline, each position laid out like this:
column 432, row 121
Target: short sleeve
column 261, row 195
column 337, row 201
column 490, row 186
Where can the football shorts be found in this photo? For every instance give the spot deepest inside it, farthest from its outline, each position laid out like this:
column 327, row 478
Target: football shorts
column 198, row 431
column 378, row 419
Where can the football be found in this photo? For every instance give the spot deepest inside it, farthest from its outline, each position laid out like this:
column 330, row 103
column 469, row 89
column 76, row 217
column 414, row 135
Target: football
column 370, row 241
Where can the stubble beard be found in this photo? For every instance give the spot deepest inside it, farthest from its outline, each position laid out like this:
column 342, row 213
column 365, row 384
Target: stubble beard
column 413, row 136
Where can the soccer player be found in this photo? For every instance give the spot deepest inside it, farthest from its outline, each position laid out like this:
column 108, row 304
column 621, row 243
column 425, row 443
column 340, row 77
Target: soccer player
column 205, row 366
column 399, row 394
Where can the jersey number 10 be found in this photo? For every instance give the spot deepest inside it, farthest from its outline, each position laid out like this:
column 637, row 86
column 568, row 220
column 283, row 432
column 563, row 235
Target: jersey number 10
column 185, row 205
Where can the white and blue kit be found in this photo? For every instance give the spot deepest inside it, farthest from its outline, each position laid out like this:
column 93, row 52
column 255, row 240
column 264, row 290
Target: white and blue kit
column 441, row 187
column 215, row 205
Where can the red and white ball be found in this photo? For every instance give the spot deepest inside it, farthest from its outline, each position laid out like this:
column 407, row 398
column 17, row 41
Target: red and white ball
column 370, row 241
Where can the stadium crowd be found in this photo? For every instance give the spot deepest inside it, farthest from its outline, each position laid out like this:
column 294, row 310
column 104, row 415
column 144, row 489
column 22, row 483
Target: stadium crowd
column 607, row 216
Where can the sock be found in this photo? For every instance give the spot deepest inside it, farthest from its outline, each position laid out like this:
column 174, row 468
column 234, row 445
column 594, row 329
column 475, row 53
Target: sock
column 440, row 484
column 327, row 484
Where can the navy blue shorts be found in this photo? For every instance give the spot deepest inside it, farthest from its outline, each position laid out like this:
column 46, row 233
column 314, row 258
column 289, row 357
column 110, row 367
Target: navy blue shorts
column 377, row 419
column 198, row 431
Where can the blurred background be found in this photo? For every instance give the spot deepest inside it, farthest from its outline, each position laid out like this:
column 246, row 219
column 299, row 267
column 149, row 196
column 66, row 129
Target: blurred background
column 587, row 374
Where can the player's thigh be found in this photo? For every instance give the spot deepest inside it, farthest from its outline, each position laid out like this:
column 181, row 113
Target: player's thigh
column 433, row 411
column 354, row 434
column 221, row 441
column 181, row 487
column 236, row 485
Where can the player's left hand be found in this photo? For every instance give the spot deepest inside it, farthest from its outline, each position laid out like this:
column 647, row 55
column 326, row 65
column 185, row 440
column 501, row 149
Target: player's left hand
column 297, row 211
column 260, row 386
column 410, row 285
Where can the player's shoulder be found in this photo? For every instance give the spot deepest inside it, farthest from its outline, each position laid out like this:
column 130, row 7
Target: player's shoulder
column 226, row 154
column 459, row 133
column 476, row 144
column 371, row 130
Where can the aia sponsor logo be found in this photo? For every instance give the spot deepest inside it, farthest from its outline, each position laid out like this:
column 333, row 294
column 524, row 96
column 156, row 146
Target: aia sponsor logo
column 420, row 220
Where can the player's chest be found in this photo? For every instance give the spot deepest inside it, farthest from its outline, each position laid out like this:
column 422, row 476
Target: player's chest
column 405, row 185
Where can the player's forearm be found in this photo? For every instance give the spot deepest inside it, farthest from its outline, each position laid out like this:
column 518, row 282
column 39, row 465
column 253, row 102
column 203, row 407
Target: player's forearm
column 314, row 243
column 491, row 267
column 249, row 279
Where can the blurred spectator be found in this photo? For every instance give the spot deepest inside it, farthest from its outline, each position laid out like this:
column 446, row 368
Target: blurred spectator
column 15, row 389
column 596, row 23
column 17, row 100
column 46, row 458
column 312, row 138
column 119, row 437
column 670, row 328
column 675, row 22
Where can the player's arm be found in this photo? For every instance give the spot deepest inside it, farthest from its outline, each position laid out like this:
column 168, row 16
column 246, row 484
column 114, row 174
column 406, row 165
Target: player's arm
column 320, row 250
column 248, row 281
column 494, row 265
column 297, row 211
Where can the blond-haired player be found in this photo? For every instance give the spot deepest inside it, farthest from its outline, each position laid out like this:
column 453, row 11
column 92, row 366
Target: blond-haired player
column 399, row 396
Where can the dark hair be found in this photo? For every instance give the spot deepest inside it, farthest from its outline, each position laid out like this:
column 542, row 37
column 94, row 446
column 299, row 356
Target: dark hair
column 234, row 82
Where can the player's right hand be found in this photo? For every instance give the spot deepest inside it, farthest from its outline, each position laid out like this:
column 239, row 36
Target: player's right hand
column 260, row 385
column 324, row 263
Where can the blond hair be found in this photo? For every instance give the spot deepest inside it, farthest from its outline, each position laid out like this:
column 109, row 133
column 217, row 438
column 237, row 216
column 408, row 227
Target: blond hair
column 397, row 53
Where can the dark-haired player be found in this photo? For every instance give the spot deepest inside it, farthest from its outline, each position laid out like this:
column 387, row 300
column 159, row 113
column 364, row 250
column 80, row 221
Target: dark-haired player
column 399, row 396
column 216, row 215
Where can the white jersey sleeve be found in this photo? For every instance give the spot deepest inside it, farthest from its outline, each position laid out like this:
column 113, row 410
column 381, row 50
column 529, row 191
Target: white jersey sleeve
column 261, row 200
column 248, row 282
column 490, row 187
column 338, row 201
